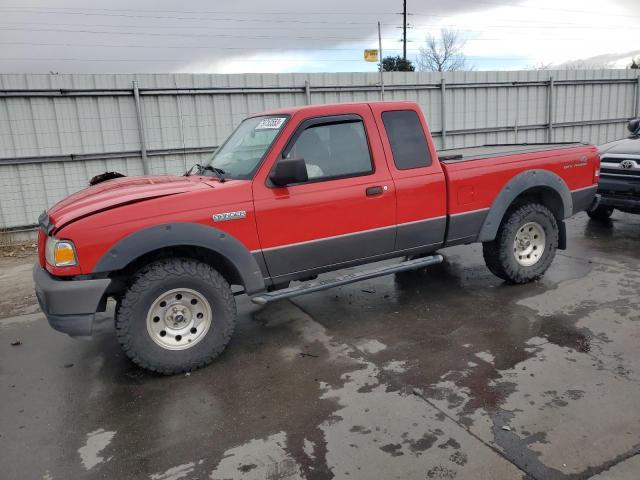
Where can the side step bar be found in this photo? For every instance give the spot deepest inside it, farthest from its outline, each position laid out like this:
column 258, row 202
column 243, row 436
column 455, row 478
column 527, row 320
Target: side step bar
column 346, row 279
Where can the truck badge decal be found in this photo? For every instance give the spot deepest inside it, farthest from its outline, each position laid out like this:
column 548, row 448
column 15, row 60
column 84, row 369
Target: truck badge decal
column 223, row 217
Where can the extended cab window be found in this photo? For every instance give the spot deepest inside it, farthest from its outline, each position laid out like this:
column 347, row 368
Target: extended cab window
column 406, row 136
column 333, row 150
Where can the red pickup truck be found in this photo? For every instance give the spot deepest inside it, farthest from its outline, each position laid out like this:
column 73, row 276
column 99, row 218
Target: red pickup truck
column 290, row 194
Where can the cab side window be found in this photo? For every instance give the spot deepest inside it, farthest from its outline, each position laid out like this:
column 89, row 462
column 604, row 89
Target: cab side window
column 333, row 150
column 407, row 140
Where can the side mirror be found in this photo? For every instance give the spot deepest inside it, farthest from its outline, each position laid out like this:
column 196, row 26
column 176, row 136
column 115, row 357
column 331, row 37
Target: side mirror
column 289, row 171
column 634, row 126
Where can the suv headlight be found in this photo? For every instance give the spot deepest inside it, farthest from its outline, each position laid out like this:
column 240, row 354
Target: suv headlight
column 60, row 253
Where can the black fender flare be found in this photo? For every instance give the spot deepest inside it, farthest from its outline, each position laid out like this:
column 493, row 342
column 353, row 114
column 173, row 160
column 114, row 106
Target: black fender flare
column 184, row 234
column 516, row 186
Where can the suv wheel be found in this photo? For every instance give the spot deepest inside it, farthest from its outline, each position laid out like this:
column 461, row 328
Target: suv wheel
column 601, row 213
column 525, row 244
column 177, row 316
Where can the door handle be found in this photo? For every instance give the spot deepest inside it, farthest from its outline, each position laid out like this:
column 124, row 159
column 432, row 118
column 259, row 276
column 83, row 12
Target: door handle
column 373, row 191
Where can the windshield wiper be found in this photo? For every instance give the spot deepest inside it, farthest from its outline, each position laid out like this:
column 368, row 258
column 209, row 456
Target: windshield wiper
column 218, row 172
column 200, row 169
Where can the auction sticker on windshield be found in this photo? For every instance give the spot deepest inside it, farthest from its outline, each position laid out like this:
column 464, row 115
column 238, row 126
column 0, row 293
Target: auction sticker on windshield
column 270, row 123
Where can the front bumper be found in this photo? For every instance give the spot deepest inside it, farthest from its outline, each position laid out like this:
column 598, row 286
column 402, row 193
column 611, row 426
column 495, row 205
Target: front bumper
column 619, row 202
column 69, row 305
column 621, row 193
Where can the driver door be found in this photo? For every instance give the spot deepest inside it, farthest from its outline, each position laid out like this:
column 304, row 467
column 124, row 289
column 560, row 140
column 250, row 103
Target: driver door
column 344, row 213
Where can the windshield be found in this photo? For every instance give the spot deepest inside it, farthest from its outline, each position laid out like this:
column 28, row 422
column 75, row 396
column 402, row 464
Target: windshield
column 241, row 153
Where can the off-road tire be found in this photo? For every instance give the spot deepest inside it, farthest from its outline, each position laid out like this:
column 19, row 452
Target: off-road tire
column 155, row 279
column 601, row 214
column 499, row 256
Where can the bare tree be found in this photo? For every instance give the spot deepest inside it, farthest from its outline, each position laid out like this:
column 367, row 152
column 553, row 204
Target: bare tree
column 571, row 65
column 443, row 53
column 584, row 65
column 540, row 66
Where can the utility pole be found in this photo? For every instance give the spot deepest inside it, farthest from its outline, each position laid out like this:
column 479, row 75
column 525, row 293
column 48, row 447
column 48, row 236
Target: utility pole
column 404, row 30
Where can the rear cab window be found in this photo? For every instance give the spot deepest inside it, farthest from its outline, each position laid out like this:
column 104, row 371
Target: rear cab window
column 407, row 139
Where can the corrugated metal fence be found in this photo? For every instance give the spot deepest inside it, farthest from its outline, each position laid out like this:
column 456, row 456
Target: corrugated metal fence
column 57, row 131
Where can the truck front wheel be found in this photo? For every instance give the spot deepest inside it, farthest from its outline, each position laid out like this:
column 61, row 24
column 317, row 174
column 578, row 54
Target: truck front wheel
column 177, row 316
column 525, row 244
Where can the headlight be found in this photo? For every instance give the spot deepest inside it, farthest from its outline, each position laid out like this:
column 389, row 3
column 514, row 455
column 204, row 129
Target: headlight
column 60, row 253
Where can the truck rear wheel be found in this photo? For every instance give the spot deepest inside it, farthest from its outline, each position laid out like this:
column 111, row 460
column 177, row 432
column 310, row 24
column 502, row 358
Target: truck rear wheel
column 525, row 244
column 177, row 316
column 601, row 213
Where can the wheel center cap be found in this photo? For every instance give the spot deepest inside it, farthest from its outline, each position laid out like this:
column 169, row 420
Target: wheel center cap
column 177, row 317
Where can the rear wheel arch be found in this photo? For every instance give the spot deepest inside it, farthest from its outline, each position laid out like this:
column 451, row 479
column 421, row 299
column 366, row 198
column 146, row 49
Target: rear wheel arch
column 187, row 240
column 533, row 186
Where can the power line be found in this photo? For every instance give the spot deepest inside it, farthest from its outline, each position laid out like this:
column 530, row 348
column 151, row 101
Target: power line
column 190, row 27
column 196, row 35
column 553, row 25
column 305, row 13
column 122, row 15
column 66, row 10
column 247, row 48
column 415, row 27
column 211, row 47
column 198, row 12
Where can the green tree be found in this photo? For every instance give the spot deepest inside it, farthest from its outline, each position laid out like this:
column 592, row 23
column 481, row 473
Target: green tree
column 397, row 64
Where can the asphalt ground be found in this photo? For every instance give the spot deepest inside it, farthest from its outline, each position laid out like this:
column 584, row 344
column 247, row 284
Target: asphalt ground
column 446, row 373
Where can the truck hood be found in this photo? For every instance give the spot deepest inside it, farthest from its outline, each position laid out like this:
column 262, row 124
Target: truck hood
column 627, row 146
column 117, row 192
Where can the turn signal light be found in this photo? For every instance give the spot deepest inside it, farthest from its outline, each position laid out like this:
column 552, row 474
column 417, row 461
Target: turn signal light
column 60, row 253
column 64, row 255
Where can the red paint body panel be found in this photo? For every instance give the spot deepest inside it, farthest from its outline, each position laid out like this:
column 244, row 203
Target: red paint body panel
column 121, row 191
column 474, row 184
column 96, row 234
column 96, row 218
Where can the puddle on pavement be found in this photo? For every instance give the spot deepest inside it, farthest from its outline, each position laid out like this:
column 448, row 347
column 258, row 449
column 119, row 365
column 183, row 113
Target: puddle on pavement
column 362, row 436
column 177, row 472
column 483, row 351
column 97, row 441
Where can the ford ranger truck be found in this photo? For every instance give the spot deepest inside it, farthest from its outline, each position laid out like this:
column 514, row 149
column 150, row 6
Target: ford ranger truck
column 293, row 193
column 619, row 186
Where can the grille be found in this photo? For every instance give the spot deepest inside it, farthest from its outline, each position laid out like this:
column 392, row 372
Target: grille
column 620, row 168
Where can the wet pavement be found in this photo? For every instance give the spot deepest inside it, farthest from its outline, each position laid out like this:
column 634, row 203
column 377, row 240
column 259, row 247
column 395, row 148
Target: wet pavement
column 442, row 374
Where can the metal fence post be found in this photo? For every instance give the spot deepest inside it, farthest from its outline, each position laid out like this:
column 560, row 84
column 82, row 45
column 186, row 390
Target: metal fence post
column 143, row 142
column 443, row 112
column 307, row 91
column 638, row 96
column 550, row 110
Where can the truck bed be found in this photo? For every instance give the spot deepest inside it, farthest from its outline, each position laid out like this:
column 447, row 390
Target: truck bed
column 455, row 155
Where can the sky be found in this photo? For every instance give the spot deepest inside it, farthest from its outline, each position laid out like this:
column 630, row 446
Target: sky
column 200, row 36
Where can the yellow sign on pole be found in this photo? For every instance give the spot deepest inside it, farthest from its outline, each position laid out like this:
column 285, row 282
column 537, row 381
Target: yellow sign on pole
column 371, row 55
